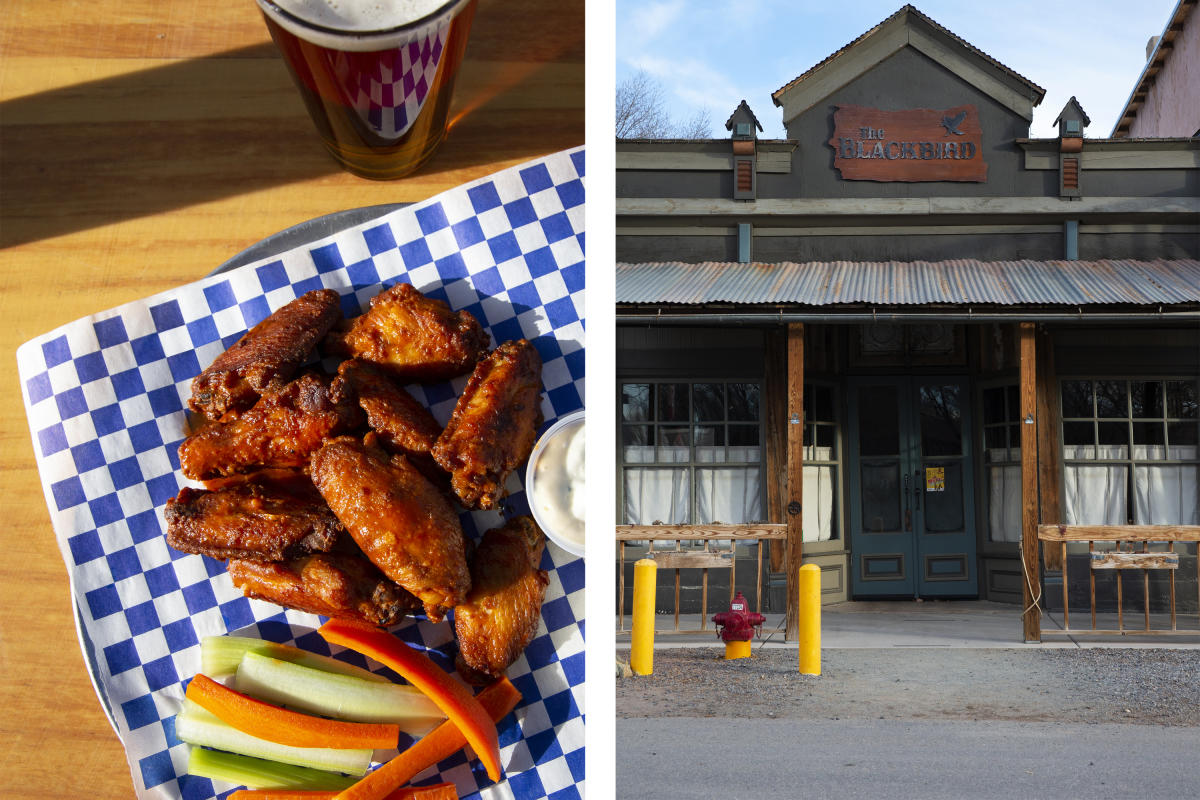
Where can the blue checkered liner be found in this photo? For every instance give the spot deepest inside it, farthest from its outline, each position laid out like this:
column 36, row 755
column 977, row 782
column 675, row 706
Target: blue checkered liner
column 105, row 398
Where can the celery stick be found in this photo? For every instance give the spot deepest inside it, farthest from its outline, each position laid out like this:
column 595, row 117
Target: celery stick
column 220, row 656
column 196, row 726
column 258, row 773
column 339, row 696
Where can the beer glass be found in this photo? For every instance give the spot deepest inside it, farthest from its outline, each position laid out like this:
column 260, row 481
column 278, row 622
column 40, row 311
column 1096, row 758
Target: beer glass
column 376, row 75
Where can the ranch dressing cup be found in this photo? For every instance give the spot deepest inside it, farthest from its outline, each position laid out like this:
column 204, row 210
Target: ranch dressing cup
column 554, row 483
column 376, row 75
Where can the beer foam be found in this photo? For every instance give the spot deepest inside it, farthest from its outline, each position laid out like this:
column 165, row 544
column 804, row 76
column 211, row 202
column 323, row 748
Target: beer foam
column 362, row 20
column 360, row 16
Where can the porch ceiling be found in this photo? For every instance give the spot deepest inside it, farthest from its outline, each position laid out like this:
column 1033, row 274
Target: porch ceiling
column 1012, row 285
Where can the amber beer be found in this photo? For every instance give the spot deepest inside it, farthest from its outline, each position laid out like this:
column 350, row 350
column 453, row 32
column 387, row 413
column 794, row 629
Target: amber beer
column 377, row 76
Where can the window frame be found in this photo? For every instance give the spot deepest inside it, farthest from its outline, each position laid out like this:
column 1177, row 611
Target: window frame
column 838, row 462
column 691, row 465
column 983, row 501
column 1130, row 461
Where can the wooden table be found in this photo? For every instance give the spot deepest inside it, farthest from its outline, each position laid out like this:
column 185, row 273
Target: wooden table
column 142, row 144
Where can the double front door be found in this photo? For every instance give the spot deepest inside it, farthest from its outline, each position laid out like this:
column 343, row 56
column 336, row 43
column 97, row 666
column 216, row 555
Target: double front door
column 912, row 522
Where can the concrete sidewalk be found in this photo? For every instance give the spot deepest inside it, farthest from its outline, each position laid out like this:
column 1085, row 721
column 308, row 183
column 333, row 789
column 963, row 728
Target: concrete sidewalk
column 908, row 623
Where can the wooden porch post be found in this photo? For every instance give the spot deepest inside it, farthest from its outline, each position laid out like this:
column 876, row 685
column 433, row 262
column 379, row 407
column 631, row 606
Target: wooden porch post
column 1032, row 584
column 795, row 474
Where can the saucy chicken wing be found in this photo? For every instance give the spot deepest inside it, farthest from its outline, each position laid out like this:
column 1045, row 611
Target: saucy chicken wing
column 335, row 584
column 267, row 520
column 494, row 424
column 413, row 337
column 268, row 354
column 500, row 614
column 402, row 423
column 398, row 518
column 283, row 429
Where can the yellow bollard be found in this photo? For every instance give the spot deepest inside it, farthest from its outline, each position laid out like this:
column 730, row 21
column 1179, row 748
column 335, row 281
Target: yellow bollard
column 641, row 651
column 810, row 619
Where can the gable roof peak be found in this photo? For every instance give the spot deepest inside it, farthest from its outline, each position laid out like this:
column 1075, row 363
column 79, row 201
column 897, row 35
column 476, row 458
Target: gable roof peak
column 910, row 17
column 1072, row 110
column 744, row 110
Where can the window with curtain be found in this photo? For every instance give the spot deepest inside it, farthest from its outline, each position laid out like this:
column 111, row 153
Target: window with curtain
column 1130, row 451
column 691, row 452
column 821, row 464
column 1002, row 462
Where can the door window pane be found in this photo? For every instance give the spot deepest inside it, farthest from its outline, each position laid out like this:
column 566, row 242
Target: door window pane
column 944, row 509
column 881, row 497
column 941, row 421
column 878, row 421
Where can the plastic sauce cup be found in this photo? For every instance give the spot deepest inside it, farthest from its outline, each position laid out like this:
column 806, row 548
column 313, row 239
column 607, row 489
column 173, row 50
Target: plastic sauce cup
column 554, row 483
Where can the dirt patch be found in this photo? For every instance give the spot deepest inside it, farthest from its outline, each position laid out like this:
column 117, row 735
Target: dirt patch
column 1145, row 686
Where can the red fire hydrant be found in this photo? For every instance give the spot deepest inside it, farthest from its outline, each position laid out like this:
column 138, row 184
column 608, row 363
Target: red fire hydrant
column 737, row 626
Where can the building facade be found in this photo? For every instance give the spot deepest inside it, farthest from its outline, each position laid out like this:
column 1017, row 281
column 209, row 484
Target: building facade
column 856, row 346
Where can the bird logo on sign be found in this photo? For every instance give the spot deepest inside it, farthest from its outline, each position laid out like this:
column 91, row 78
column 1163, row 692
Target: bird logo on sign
column 951, row 123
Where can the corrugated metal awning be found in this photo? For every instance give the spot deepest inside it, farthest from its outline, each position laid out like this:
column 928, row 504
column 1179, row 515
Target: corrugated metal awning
column 963, row 282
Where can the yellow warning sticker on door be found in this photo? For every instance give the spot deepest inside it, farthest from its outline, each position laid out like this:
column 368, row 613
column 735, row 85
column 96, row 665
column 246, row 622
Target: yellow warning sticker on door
column 935, row 479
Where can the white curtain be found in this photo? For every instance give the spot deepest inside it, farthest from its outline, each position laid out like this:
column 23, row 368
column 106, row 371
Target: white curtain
column 1004, row 498
column 1164, row 494
column 656, row 494
column 820, row 486
column 725, row 494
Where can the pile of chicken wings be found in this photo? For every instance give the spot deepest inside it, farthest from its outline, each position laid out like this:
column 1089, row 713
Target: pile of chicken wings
column 336, row 493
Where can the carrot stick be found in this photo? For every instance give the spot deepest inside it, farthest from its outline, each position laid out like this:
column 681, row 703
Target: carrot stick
column 437, row 791
column 280, row 725
column 452, row 697
column 442, row 742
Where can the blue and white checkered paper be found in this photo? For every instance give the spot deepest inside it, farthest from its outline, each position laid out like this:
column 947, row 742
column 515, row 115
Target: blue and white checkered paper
column 105, row 397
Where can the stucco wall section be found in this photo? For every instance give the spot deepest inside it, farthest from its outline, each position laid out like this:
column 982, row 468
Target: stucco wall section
column 1172, row 106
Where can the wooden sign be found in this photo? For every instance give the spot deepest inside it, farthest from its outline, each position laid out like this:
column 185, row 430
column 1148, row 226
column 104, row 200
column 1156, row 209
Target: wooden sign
column 912, row 145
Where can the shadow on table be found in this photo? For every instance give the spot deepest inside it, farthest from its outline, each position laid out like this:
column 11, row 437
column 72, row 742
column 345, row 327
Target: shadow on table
column 119, row 148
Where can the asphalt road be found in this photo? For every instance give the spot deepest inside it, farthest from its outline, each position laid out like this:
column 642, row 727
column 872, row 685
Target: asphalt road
column 688, row 757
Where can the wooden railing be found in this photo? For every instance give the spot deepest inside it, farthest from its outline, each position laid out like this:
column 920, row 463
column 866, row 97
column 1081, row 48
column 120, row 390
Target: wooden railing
column 703, row 559
column 1129, row 548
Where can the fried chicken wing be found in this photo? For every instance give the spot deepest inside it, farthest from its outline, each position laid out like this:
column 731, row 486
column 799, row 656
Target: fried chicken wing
column 413, row 337
column 283, row 429
column 398, row 518
column 500, row 614
column 403, row 424
column 268, row 354
column 337, row 584
column 266, row 520
column 494, row 424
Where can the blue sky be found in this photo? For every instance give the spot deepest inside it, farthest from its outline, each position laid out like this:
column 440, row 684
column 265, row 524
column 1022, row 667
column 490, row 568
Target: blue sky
column 711, row 55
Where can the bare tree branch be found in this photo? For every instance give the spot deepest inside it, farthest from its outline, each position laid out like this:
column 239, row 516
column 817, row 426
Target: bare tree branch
column 642, row 113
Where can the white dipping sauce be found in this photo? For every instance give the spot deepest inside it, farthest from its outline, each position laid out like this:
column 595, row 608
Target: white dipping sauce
column 559, row 495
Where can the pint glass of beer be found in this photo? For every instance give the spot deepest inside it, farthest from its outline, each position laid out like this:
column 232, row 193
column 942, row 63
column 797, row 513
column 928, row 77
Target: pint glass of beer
column 377, row 75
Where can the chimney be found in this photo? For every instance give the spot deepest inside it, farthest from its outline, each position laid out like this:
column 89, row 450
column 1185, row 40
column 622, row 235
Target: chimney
column 743, row 127
column 1150, row 45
